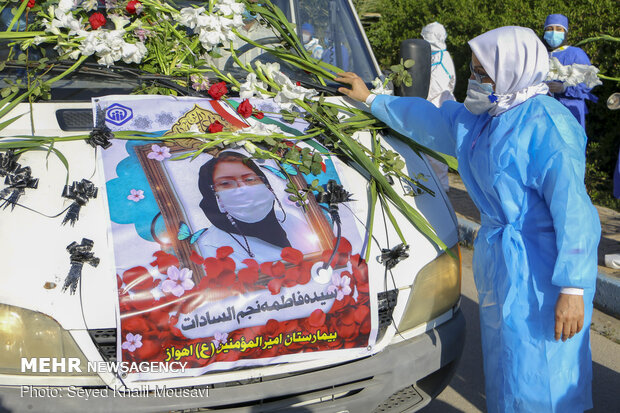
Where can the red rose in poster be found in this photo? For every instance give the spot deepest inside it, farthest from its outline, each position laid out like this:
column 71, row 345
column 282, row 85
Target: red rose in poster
column 138, row 279
column 97, row 20
column 292, row 255
column 245, row 109
column 258, row 115
column 317, row 318
column 223, row 252
column 196, row 259
column 216, row 127
column 164, row 260
column 360, row 273
column 213, row 267
column 134, row 6
column 218, row 90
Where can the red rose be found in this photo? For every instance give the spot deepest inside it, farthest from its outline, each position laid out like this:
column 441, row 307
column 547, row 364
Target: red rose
column 251, row 263
column 216, row 127
column 97, row 20
column 248, row 275
column 196, row 258
column 223, row 252
column 245, row 109
column 213, row 267
column 275, row 285
column 292, row 255
column 218, row 90
column 138, row 278
column 317, row 318
column 134, row 6
column 150, row 350
column 163, row 260
column 258, row 115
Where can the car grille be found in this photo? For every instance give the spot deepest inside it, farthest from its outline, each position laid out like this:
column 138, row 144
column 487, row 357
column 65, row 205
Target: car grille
column 105, row 340
column 400, row 401
column 387, row 302
column 75, row 119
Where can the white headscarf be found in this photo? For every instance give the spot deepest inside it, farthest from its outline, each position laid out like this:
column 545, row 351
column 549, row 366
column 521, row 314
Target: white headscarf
column 436, row 35
column 516, row 60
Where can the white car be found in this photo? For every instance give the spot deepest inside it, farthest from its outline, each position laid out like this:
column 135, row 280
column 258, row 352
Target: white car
column 59, row 350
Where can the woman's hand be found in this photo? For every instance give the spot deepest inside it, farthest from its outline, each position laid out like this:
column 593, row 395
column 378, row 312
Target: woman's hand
column 568, row 316
column 358, row 90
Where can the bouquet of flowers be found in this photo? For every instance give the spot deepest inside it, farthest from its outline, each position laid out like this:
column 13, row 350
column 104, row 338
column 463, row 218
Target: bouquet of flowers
column 179, row 47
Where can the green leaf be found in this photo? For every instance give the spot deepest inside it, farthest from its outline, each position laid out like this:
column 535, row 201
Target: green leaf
column 8, row 122
column 409, row 63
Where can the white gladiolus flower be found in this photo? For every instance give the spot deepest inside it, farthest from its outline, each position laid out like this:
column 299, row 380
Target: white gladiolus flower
column 251, row 87
column 228, row 7
column 133, row 53
column 119, row 21
column 89, row 5
column 380, row 88
column 259, row 129
column 66, row 5
column 572, row 75
column 189, row 16
column 286, row 97
column 268, row 69
column 74, row 54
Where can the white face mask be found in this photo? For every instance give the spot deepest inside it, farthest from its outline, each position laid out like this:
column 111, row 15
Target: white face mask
column 246, row 203
column 477, row 100
column 305, row 37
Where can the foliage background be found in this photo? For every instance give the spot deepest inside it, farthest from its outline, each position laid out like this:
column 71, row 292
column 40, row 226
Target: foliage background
column 465, row 19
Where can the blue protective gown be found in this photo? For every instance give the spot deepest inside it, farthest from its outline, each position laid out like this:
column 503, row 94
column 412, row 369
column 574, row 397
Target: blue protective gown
column 574, row 97
column 524, row 170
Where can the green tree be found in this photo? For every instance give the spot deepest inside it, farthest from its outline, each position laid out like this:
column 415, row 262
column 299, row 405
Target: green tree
column 465, row 19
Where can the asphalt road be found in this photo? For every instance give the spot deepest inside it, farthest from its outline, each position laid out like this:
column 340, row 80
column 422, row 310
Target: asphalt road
column 466, row 390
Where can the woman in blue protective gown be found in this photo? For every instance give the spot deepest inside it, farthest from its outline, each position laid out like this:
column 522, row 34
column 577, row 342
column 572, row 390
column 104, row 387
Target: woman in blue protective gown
column 521, row 157
column 573, row 97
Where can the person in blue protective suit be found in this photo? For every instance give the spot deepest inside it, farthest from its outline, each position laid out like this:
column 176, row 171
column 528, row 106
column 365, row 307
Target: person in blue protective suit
column 521, row 157
column 573, row 97
column 311, row 43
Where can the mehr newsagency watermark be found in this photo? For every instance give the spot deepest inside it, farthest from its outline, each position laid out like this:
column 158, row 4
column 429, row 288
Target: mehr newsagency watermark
column 122, row 368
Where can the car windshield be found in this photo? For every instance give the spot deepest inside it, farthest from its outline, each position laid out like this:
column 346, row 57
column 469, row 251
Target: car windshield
column 328, row 29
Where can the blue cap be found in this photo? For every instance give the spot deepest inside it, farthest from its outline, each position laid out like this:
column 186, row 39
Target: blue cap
column 557, row 20
column 307, row 27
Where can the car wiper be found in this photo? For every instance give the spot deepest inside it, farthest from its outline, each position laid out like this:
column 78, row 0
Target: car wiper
column 115, row 73
column 317, row 86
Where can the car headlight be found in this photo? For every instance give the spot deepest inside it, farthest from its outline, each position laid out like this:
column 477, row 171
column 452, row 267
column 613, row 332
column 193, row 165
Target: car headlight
column 30, row 334
column 436, row 289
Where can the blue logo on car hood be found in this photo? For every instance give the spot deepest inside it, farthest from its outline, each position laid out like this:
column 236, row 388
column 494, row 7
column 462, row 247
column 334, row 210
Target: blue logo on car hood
column 118, row 114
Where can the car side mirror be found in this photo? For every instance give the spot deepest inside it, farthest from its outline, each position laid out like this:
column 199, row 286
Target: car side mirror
column 420, row 51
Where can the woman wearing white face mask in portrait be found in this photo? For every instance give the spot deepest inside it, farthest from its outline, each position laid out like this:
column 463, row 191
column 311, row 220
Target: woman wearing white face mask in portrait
column 521, row 157
column 245, row 213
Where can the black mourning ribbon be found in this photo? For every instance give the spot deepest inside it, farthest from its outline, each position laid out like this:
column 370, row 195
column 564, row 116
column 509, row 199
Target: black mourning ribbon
column 80, row 192
column 391, row 257
column 80, row 254
column 101, row 134
column 333, row 195
column 17, row 178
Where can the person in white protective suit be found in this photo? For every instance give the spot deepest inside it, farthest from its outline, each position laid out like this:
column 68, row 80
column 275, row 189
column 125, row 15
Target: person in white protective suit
column 521, row 155
column 441, row 88
column 241, row 206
